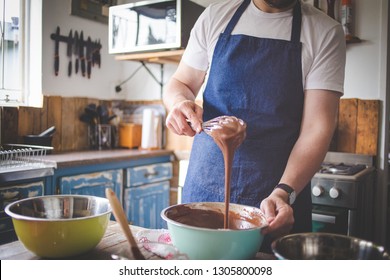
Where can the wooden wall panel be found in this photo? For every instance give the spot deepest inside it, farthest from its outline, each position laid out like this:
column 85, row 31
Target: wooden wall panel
column 9, row 125
column 29, row 122
column 68, row 121
column 347, row 124
column 81, row 129
column 43, row 116
column 358, row 126
column 54, row 117
column 25, row 121
column 93, row 101
column 37, row 125
column 357, row 130
column 367, row 127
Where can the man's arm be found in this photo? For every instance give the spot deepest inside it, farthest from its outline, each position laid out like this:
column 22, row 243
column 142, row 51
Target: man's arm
column 318, row 124
column 319, row 121
column 179, row 98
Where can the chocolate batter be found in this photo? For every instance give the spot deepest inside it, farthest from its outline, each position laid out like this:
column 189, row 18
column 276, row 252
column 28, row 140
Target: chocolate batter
column 199, row 216
column 228, row 132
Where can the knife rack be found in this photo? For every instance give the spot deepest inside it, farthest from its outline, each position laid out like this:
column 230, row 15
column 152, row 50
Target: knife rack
column 88, row 52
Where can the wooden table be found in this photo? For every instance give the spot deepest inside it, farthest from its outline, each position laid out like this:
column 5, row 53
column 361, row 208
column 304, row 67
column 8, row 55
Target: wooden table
column 113, row 243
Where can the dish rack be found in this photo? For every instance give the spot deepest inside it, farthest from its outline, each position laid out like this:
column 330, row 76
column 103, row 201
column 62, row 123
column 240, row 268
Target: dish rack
column 19, row 156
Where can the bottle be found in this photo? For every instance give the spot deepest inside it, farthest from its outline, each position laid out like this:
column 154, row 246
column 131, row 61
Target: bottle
column 346, row 18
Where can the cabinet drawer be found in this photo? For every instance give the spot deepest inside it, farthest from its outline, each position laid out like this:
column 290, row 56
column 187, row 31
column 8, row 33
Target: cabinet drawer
column 11, row 194
column 145, row 174
column 92, row 183
column 144, row 204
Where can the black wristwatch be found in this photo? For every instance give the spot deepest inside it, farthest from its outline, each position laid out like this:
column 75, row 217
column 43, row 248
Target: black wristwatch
column 291, row 193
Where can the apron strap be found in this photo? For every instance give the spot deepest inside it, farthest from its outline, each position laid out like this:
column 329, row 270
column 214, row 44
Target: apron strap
column 296, row 24
column 233, row 21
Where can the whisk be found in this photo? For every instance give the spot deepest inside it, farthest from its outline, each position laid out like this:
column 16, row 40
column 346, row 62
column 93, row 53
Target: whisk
column 217, row 123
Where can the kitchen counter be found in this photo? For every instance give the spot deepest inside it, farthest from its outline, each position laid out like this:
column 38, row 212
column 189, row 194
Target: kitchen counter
column 24, row 173
column 113, row 242
column 102, row 156
column 46, row 165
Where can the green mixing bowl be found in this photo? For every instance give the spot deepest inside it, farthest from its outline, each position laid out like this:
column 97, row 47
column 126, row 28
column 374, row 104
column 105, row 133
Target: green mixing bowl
column 217, row 243
column 60, row 226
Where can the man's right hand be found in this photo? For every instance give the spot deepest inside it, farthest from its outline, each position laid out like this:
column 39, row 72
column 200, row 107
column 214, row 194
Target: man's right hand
column 185, row 118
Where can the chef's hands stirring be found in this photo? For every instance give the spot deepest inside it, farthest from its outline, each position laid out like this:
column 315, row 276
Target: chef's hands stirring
column 185, row 118
column 278, row 213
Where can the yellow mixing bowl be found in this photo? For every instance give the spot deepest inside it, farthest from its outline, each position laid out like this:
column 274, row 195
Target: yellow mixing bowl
column 60, row 226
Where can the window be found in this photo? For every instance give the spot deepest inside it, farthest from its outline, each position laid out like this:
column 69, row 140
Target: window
column 21, row 53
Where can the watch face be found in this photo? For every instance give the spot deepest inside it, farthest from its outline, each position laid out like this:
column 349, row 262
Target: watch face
column 291, row 193
column 292, row 197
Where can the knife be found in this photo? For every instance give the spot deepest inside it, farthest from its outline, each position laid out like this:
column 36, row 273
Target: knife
column 81, row 53
column 89, row 58
column 98, row 57
column 94, row 53
column 76, row 50
column 69, row 52
column 56, row 49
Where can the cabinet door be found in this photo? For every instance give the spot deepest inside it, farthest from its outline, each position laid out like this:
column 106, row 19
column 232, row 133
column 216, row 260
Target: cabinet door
column 144, row 204
column 10, row 194
column 93, row 183
column 145, row 174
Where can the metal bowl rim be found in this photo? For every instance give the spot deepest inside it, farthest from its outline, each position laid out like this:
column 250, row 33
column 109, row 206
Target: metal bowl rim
column 321, row 234
column 381, row 249
column 168, row 220
column 35, row 219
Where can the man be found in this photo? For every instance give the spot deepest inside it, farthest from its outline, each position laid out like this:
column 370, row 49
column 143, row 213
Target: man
column 279, row 66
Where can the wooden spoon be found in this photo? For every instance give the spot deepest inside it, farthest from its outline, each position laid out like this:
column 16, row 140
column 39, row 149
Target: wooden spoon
column 122, row 220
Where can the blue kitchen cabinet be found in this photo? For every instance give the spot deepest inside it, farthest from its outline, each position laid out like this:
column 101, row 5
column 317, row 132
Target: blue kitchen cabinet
column 142, row 185
column 144, row 204
column 94, row 183
column 12, row 193
column 146, row 194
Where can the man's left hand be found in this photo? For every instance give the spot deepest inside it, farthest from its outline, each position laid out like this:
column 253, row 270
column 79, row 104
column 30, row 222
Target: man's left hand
column 278, row 213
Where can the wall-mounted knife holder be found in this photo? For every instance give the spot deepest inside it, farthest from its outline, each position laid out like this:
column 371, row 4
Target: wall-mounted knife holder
column 86, row 53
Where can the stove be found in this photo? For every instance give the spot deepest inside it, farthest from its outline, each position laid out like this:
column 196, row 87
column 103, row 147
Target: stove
column 342, row 195
column 341, row 168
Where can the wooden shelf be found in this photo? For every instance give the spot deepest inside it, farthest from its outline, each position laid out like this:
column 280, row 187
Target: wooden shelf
column 161, row 57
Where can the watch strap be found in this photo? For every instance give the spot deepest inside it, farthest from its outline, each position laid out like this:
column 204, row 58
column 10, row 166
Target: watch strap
column 289, row 190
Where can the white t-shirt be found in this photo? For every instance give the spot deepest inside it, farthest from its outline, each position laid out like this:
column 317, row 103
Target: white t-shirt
column 323, row 41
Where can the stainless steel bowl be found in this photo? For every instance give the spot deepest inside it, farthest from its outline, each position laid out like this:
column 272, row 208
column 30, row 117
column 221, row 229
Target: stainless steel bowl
column 326, row 246
column 58, row 226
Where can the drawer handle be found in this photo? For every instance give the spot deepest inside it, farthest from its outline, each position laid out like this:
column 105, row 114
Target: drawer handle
column 152, row 174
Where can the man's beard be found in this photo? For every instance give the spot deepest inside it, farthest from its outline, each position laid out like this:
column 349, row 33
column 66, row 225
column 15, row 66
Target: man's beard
column 279, row 4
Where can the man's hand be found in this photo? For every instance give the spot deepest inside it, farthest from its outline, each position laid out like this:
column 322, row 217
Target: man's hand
column 278, row 213
column 185, row 118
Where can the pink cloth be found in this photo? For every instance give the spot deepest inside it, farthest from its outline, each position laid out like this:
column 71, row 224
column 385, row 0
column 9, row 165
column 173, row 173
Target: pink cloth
column 158, row 241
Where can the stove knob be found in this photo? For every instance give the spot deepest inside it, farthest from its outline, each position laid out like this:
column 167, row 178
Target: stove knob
column 317, row 190
column 334, row 192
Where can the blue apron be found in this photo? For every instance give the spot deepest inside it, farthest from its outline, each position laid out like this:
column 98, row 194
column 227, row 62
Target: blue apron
column 260, row 81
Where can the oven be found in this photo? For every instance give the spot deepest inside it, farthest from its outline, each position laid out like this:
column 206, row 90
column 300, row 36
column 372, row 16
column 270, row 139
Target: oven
column 342, row 195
